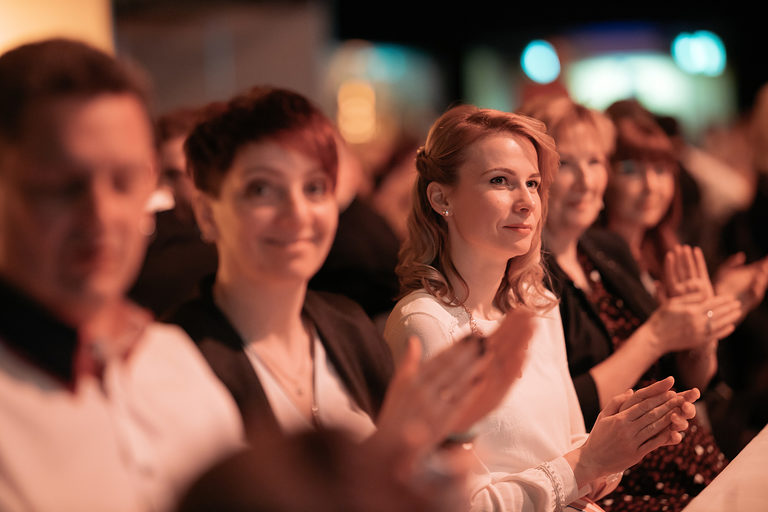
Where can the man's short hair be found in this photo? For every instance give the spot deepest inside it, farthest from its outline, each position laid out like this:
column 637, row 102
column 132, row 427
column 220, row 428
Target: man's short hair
column 58, row 68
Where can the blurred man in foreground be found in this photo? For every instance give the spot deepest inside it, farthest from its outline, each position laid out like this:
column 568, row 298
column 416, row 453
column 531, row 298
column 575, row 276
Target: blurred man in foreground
column 100, row 408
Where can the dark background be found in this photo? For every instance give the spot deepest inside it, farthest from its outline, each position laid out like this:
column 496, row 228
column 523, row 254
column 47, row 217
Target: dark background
column 444, row 28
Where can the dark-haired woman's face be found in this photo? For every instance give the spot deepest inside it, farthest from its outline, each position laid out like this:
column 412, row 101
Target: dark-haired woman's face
column 640, row 193
column 276, row 215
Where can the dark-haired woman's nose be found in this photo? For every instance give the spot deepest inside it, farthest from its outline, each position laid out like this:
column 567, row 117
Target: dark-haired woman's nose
column 295, row 208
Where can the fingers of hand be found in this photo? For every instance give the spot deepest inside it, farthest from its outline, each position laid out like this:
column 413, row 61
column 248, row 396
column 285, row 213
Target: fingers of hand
column 657, row 420
column 452, row 391
column 735, row 260
column 720, row 318
column 514, row 332
column 409, row 364
column 687, row 410
column 657, row 388
column 683, row 273
column 614, row 404
column 690, row 395
column 456, row 365
column 670, row 269
column 663, row 438
column 649, row 408
column 675, row 257
column 688, row 296
column 687, row 263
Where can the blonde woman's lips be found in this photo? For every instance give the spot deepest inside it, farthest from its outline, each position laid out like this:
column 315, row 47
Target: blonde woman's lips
column 520, row 228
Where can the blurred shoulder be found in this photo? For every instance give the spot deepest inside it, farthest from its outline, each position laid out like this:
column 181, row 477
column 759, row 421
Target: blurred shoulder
column 603, row 244
column 421, row 301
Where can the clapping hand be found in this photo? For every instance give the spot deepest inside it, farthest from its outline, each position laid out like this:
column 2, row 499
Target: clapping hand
column 632, row 425
column 745, row 282
column 685, row 272
column 428, row 401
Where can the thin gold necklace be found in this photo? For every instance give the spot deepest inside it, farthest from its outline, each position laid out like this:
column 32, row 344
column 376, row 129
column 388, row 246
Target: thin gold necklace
column 283, row 377
column 472, row 323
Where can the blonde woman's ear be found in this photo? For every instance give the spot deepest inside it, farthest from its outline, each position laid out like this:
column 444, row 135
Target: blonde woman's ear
column 206, row 221
column 437, row 196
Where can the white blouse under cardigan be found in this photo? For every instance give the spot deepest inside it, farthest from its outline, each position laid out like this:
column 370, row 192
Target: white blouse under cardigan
column 335, row 406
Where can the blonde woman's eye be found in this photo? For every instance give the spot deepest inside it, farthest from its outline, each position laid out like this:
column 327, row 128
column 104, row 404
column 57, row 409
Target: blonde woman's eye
column 498, row 180
column 534, row 184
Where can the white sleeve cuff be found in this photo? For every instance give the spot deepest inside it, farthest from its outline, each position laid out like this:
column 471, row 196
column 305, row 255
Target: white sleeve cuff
column 563, row 481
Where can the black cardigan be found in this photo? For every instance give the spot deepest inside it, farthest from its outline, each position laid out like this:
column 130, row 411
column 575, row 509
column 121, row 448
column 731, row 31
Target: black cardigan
column 587, row 340
column 351, row 341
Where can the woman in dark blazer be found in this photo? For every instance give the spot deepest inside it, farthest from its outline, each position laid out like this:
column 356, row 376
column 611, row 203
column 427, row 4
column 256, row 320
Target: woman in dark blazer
column 349, row 338
column 617, row 335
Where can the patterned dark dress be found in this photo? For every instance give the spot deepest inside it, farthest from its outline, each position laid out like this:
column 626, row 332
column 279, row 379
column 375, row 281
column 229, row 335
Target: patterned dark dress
column 669, row 477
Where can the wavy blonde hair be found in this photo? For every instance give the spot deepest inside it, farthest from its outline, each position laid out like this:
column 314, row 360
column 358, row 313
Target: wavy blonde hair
column 425, row 260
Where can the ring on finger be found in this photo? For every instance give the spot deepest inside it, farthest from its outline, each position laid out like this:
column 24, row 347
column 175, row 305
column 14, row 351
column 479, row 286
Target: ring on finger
column 709, row 314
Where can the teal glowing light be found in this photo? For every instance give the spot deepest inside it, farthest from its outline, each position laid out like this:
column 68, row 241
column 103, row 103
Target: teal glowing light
column 701, row 53
column 540, row 62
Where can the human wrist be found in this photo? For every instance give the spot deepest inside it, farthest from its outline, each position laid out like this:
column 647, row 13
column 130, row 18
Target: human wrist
column 702, row 352
column 584, row 472
column 649, row 338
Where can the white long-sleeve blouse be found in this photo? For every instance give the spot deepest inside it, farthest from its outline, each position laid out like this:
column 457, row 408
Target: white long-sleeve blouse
column 519, row 446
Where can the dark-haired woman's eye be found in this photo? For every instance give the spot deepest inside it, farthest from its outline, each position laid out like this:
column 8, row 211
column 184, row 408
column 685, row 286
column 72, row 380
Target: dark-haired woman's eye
column 258, row 188
column 628, row 167
column 317, row 187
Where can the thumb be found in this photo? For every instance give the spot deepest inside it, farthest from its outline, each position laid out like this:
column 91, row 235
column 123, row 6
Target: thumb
column 614, row 404
column 409, row 361
column 734, row 260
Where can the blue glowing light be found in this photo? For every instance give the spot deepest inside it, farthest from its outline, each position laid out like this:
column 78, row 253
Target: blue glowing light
column 701, row 52
column 540, row 62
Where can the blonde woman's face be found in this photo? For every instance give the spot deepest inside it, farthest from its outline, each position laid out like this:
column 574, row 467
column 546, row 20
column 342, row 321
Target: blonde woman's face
column 495, row 207
column 276, row 214
column 576, row 196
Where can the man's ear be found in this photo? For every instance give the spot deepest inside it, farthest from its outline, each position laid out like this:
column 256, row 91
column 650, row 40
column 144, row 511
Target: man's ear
column 206, row 220
column 437, row 194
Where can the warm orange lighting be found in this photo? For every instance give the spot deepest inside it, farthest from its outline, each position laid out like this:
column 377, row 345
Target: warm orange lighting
column 30, row 20
column 356, row 111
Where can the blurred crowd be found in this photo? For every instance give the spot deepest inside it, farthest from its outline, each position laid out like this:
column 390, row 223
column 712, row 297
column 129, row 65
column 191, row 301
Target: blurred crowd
column 226, row 307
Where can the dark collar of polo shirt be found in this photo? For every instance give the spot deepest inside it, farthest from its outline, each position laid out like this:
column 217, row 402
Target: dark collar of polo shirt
column 35, row 334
